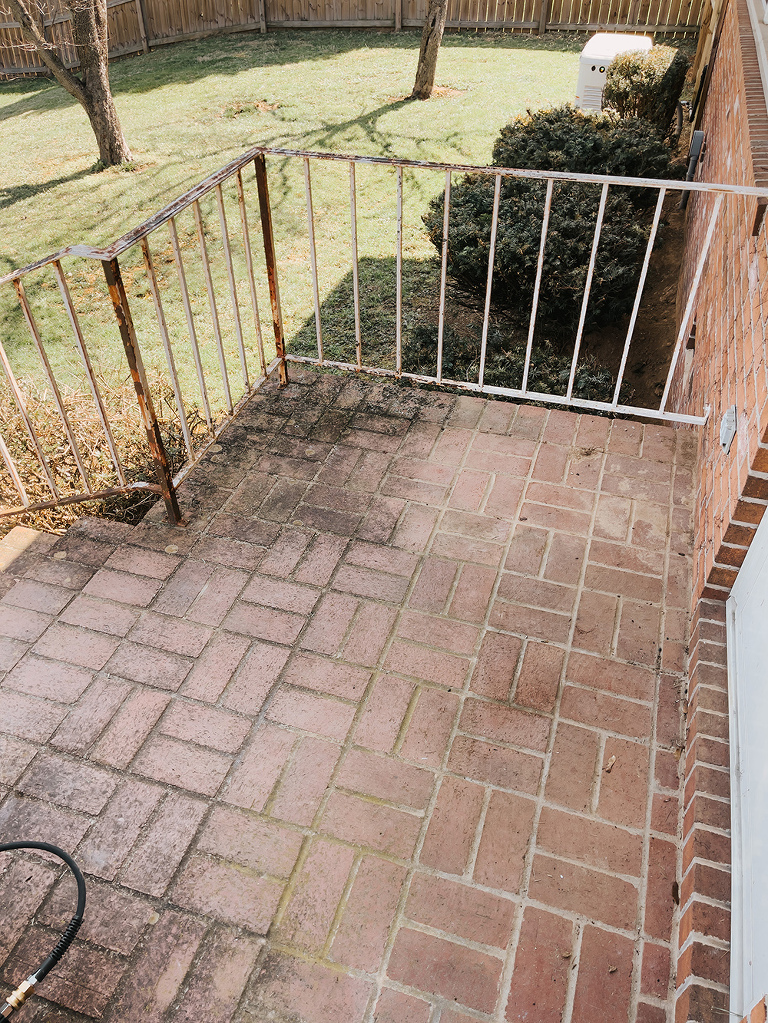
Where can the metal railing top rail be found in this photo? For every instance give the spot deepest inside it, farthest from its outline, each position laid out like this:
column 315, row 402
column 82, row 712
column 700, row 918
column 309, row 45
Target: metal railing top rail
column 194, row 194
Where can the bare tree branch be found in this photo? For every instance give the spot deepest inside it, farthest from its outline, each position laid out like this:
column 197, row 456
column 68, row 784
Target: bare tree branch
column 33, row 35
column 91, row 86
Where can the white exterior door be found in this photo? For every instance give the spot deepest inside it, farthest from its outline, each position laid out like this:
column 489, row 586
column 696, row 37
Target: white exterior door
column 747, row 611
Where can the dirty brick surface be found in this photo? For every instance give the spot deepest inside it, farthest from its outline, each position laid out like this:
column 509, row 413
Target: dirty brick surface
column 387, row 733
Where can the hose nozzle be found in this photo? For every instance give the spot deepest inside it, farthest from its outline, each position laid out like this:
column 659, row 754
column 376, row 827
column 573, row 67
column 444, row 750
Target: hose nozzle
column 18, row 997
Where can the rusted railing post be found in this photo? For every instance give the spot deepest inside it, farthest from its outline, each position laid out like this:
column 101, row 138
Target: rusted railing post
column 128, row 334
column 271, row 260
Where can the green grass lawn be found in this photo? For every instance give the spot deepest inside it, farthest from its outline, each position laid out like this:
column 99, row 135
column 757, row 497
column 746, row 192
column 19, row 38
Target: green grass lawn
column 188, row 109
column 179, row 107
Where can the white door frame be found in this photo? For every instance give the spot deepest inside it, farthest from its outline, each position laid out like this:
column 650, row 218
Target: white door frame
column 749, row 978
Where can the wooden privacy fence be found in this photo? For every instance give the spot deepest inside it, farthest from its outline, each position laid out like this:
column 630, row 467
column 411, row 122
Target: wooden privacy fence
column 136, row 25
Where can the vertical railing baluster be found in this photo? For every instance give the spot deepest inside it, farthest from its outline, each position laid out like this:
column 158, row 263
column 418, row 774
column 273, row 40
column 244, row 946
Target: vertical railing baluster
column 212, row 304
column 587, row 287
column 190, row 320
column 28, row 424
column 537, row 285
column 232, row 284
column 399, row 277
column 32, row 326
column 166, row 342
column 638, row 295
column 270, row 257
column 443, row 275
column 355, row 268
column 489, row 282
column 313, row 259
column 685, row 323
column 249, row 268
column 13, row 473
column 146, row 406
column 85, row 359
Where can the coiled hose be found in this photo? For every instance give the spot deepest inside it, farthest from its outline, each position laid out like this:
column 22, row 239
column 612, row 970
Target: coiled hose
column 23, row 991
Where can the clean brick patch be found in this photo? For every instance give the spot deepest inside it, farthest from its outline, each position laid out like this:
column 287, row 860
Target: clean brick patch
column 453, row 971
column 389, row 738
column 542, row 966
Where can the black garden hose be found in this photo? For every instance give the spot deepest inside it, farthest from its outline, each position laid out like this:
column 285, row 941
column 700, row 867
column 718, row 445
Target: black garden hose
column 23, row 991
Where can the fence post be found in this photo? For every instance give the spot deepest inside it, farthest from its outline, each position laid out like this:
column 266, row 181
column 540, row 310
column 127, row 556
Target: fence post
column 398, row 15
column 262, row 16
column 271, row 260
column 142, row 26
column 543, row 15
column 128, row 335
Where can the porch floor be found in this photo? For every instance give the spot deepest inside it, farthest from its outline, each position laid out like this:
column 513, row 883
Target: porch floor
column 389, row 732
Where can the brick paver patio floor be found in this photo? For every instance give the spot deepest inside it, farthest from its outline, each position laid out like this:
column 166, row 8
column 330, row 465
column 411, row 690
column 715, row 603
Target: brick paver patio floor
column 388, row 733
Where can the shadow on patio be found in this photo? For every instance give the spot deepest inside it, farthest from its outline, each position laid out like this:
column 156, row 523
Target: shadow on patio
column 390, row 731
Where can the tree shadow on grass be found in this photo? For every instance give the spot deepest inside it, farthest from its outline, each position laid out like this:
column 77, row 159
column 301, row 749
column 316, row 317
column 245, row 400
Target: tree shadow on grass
column 17, row 193
column 506, row 346
column 330, row 137
column 378, row 295
column 333, row 138
column 327, row 137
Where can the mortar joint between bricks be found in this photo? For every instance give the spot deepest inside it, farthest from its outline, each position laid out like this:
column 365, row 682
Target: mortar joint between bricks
column 721, row 945
column 694, row 981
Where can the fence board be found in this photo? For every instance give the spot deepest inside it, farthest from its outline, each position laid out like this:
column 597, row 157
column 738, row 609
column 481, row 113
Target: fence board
column 167, row 21
column 123, row 28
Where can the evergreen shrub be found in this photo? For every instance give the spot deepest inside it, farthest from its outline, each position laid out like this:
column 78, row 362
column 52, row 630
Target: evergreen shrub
column 647, row 84
column 566, row 139
column 563, row 139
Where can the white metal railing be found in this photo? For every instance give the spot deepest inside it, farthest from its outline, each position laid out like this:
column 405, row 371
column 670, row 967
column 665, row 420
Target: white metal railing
column 717, row 192
column 209, row 300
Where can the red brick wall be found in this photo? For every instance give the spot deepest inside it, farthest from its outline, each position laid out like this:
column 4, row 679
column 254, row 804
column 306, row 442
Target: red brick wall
column 729, row 363
column 729, row 367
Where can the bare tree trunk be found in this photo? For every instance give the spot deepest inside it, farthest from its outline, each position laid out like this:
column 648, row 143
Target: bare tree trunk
column 431, row 37
column 91, row 90
column 89, row 33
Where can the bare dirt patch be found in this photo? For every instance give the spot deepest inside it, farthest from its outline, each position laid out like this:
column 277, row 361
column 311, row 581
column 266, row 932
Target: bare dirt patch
column 438, row 92
column 259, row 106
column 447, row 92
column 654, row 336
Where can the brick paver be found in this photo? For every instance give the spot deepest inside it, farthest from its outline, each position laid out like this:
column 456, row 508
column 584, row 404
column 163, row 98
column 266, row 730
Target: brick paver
column 388, row 733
